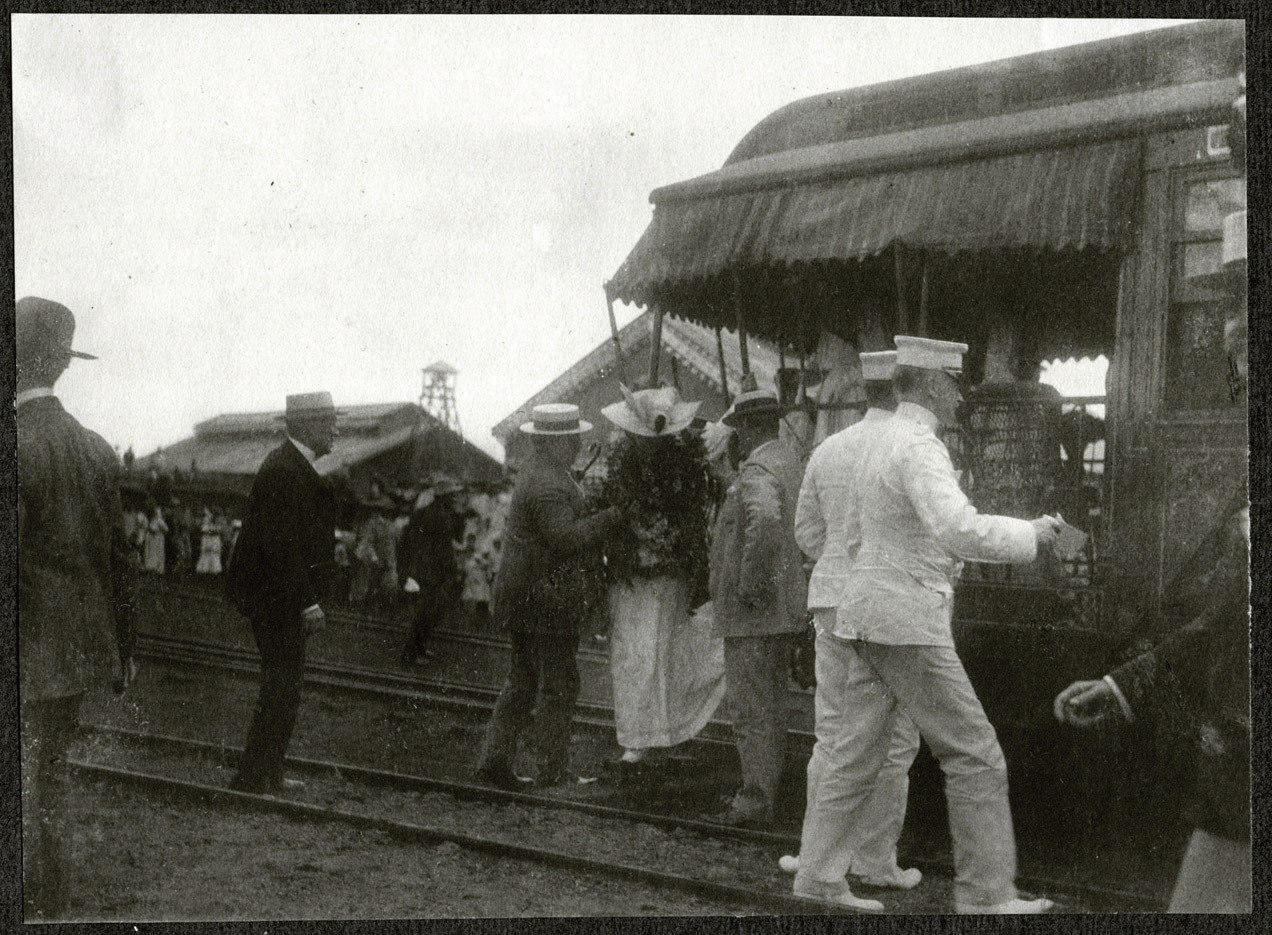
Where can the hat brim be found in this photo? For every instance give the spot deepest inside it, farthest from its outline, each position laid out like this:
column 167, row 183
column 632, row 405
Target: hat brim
column 82, row 356
column 583, row 426
column 680, row 419
column 312, row 414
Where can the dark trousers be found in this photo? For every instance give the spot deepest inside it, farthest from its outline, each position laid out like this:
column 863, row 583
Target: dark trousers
column 542, row 685
column 48, row 727
column 281, row 641
column 756, row 670
column 431, row 606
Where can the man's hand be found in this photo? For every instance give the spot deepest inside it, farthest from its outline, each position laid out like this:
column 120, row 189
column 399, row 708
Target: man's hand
column 1085, row 703
column 314, row 619
column 1046, row 528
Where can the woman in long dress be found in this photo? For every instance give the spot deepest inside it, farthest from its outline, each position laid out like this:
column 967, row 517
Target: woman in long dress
column 209, row 546
column 667, row 669
column 156, row 530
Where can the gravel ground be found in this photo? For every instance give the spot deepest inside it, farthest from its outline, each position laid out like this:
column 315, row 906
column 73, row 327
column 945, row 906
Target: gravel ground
column 403, row 736
column 148, row 856
column 679, row 851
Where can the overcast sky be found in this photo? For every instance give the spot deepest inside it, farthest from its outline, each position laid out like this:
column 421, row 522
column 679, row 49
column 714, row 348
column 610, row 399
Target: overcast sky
column 240, row 207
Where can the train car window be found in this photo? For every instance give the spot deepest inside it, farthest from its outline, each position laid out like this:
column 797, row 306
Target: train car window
column 1200, row 295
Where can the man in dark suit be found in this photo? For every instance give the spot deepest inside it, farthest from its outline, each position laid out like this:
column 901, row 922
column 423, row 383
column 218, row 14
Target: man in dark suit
column 74, row 588
column 282, row 563
column 428, row 558
column 544, row 531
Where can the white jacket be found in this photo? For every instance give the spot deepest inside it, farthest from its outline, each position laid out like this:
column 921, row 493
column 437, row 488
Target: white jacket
column 827, row 526
column 915, row 525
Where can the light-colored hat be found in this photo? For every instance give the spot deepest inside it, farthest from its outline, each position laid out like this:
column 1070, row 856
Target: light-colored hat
column 753, row 403
column 556, row 419
column 930, row 354
column 651, row 413
column 43, row 327
column 310, row 405
column 877, row 366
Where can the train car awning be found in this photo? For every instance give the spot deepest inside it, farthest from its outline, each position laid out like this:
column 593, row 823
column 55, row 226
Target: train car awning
column 1061, row 178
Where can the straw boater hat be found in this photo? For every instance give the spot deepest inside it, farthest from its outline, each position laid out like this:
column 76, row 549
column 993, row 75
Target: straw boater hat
column 877, row 366
column 556, row 419
column 753, row 404
column 651, row 413
column 309, row 405
column 930, row 354
column 43, row 328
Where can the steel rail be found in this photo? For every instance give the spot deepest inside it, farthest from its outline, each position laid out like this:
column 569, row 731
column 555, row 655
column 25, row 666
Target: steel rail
column 418, row 833
column 1087, row 894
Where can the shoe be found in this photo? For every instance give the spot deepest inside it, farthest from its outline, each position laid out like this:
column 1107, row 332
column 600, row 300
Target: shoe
column 250, row 786
column 502, row 777
column 832, row 894
column 1012, row 907
column 898, row 879
column 789, row 863
column 564, row 779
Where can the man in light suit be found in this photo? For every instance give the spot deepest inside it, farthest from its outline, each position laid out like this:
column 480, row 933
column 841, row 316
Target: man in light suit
column 546, row 530
column 758, row 590
column 828, row 529
column 280, row 574
column 898, row 652
column 75, row 608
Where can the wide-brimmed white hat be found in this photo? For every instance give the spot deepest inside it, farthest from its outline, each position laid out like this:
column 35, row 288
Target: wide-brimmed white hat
column 556, row 419
column 930, row 354
column 651, row 413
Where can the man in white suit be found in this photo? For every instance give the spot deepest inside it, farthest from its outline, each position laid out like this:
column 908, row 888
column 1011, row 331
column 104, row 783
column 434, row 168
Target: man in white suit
column 828, row 530
column 897, row 649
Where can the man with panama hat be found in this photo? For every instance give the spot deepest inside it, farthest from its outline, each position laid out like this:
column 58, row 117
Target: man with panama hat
column 896, row 651
column 279, row 576
column 758, row 594
column 544, row 531
column 74, row 588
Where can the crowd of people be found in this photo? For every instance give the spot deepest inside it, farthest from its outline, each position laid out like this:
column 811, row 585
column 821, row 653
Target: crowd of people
column 708, row 546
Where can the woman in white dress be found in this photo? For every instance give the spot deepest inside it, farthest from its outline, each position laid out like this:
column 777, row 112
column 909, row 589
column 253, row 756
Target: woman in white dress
column 209, row 546
column 156, row 530
column 667, row 669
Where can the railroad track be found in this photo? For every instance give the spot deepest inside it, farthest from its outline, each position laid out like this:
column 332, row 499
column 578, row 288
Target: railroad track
column 412, row 832
column 431, row 691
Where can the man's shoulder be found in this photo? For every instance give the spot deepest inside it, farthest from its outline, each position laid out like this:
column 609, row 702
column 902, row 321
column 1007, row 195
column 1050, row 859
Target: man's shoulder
column 54, row 424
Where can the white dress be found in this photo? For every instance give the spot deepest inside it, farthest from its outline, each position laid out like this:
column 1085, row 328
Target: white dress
column 209, row 552
column 667, row 669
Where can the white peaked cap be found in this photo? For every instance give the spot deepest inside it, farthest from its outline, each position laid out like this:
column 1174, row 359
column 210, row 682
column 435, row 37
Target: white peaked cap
column 877, row 366
column 929, row 353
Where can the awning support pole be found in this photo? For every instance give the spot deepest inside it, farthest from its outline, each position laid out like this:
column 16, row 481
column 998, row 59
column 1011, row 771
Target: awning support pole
column 655, row 346
column 903, row 315
column 748, row 380
column 724, row 371
column 618, row 347
column 923, row 299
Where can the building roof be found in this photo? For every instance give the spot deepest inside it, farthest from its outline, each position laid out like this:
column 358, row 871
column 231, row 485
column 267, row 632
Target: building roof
column 236, row 443
column 693, row 346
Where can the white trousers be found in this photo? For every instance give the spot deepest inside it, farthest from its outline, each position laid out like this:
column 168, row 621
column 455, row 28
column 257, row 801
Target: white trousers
column 1214, row 877
column 928, row 684
column 874, row 853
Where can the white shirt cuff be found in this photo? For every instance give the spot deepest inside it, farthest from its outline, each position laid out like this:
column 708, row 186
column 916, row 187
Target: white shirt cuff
column 1121, row 699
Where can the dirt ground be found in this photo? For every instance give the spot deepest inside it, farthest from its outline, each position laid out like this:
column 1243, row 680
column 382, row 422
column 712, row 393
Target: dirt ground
column 143, row 856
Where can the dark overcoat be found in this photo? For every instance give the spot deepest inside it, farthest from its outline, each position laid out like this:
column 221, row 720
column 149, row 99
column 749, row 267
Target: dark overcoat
column 285, row 554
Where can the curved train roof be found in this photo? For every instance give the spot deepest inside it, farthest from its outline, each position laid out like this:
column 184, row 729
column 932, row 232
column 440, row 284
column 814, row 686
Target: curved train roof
column 1202, row 51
